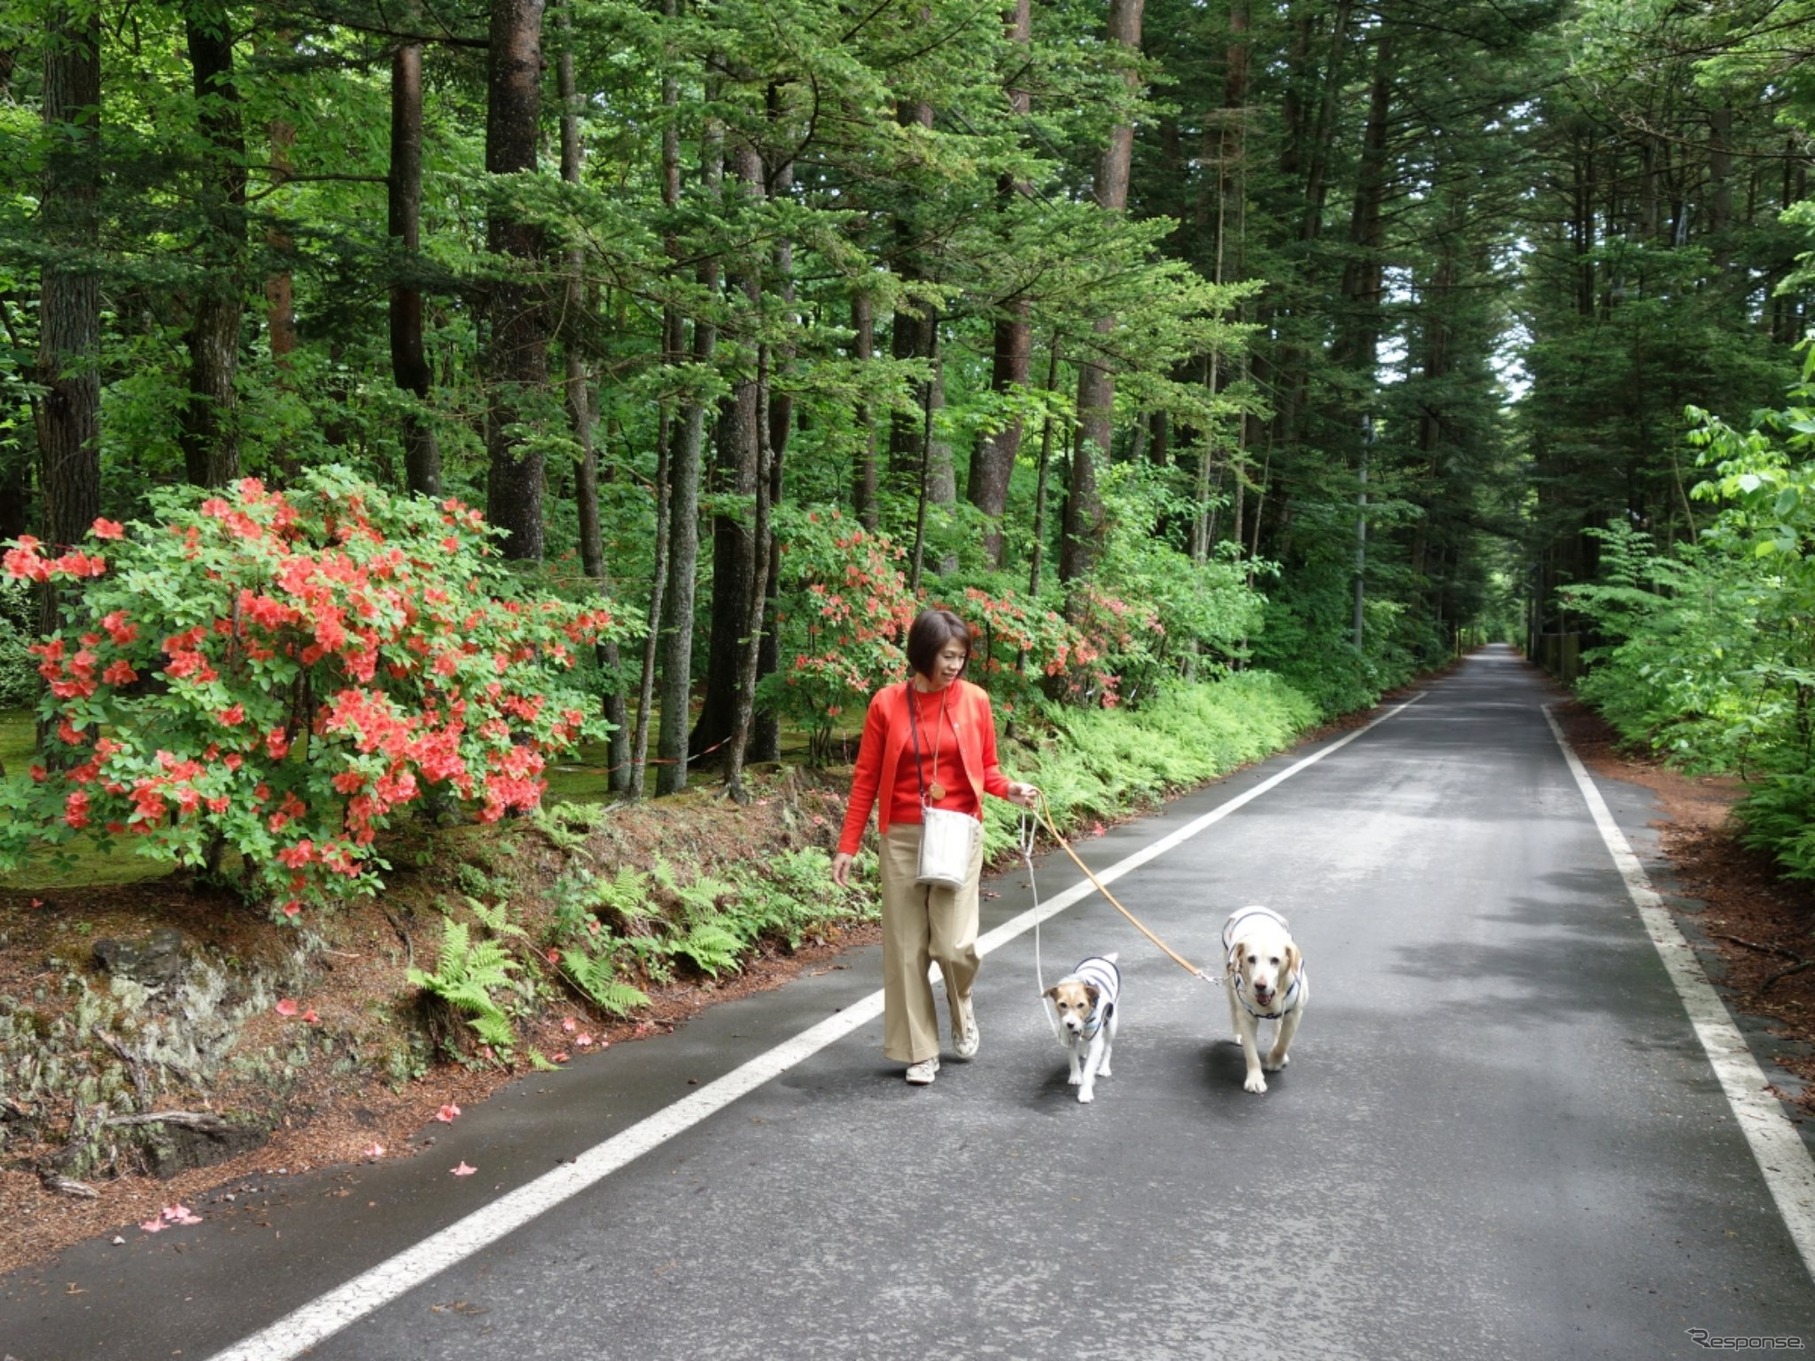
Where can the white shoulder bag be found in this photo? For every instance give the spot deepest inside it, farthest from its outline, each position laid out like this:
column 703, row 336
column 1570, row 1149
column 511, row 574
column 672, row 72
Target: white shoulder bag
column 948, row 838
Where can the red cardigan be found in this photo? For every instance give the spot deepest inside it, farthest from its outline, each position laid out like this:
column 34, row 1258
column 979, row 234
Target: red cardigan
column 886, row 736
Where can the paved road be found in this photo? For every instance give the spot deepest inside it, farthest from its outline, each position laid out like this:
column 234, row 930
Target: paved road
column 1499, row 1136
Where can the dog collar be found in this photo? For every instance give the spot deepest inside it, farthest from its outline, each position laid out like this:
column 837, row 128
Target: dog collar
column 1094, row 1022
column 1287, row 999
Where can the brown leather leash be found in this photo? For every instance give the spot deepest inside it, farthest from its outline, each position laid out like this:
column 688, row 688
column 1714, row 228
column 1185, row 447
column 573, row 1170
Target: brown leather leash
column 1027, row 857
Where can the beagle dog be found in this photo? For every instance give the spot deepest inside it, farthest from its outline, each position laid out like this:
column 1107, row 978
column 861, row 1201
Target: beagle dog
column 1087, row 1001
column 1266, row 982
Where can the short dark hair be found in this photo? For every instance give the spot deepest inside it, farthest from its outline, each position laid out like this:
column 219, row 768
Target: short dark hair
column 928, row 635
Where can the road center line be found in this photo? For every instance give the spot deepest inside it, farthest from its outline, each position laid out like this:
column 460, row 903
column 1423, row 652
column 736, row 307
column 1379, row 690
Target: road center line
column 370, row 1291
column 1015, row 926
column 1782, row 1156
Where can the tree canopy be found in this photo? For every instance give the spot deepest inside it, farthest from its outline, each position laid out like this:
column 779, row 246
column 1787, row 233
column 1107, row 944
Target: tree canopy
column 1160, row 338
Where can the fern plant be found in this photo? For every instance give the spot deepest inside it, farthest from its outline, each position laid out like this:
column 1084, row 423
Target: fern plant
column 567, row 825
column 595, row 975
column 466, row 975
column 710, row 947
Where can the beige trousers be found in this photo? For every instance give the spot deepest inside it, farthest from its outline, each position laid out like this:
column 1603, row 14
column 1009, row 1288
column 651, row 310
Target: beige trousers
column 922, row 926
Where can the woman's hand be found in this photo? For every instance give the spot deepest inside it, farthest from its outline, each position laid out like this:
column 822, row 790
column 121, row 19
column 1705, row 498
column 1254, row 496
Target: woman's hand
column 841, row 869
column 1026, row 795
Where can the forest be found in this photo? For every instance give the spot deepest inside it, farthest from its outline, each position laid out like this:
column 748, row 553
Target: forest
column 685, row 346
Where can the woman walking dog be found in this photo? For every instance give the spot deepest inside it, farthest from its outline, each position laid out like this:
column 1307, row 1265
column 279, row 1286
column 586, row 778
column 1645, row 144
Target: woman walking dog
column 928, row 744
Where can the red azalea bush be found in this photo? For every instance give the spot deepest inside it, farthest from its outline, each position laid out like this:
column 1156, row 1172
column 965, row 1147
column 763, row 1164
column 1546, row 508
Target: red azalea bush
column 1025, row 653
column 280, row 673
column 843, row 615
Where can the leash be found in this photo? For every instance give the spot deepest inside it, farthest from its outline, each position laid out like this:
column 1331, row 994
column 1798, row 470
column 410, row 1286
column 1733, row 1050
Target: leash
column 1027, row 856
column 1030, row 831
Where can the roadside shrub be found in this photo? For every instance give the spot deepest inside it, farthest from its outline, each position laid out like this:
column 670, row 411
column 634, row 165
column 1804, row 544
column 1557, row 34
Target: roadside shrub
column 18, row 622
column 1710, row 652
column 843, row 615
column 1107, row 762
column 280, row 674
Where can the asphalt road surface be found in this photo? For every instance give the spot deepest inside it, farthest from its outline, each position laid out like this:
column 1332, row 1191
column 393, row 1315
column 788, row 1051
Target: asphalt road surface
column 1499, row 1137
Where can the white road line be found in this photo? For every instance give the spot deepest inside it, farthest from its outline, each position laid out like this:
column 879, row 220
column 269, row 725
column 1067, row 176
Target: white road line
column 1015, row 926
column 327, row 1314
column 1782, row 1156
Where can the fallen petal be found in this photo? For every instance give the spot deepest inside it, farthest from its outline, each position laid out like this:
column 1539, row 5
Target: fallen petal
column 286, row 1006
column 463, row 1170
column 447, row 1113
column 153, row 1226
column 374, row 1151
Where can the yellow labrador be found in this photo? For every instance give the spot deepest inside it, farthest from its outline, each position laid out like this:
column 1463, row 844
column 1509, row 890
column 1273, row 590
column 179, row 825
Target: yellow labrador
column 1266, row 982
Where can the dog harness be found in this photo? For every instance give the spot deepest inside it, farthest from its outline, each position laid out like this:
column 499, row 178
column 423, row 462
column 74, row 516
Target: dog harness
column 1286, row 1000
column 1099, row 973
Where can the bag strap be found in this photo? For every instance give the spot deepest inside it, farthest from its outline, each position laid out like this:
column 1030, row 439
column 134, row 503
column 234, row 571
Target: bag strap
column 913, row 708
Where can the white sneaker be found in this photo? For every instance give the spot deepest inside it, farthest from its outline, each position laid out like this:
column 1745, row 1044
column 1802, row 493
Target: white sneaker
column 965, row 1038
column 921, row 1074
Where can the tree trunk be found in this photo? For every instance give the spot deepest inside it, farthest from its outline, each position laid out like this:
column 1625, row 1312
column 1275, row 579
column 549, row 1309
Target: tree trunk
column 1357, row 339
column 915, row 460
column 736, row 571
column 993, row 456
column 684, row 538
column 583, row 416
column 1083, row 524
column 673, row 354
column 69, row 411
column 280, row 285
column 863, row 476
column 1037, row 549
column 209, row 435
column 69, row 311
column 765, row 734
column 409, row 358
column 758, row 560
column 516, row 356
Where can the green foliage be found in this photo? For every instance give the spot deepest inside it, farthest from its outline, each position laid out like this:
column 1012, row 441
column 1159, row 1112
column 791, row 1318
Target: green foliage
column 1710, row 658
column 610, row 931
column 1308, row 640
column 18, row 630
column 467, row 975
column 278, row 674
column 843, row 611
column 1101, row 763
column 596, row 976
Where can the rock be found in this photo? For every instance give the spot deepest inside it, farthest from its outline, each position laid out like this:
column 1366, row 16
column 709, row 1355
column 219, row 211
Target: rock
column 170, row 1147
column 159, row 960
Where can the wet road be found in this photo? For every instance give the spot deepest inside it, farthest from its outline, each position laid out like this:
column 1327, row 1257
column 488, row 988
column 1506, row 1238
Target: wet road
column 1499, row 1137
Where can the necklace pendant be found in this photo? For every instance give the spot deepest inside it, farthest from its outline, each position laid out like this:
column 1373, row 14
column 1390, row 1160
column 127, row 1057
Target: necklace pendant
column 937, row 791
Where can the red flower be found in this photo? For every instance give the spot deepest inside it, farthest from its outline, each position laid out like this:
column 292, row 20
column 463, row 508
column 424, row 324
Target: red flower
column 108, row 529
column 119, row 628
